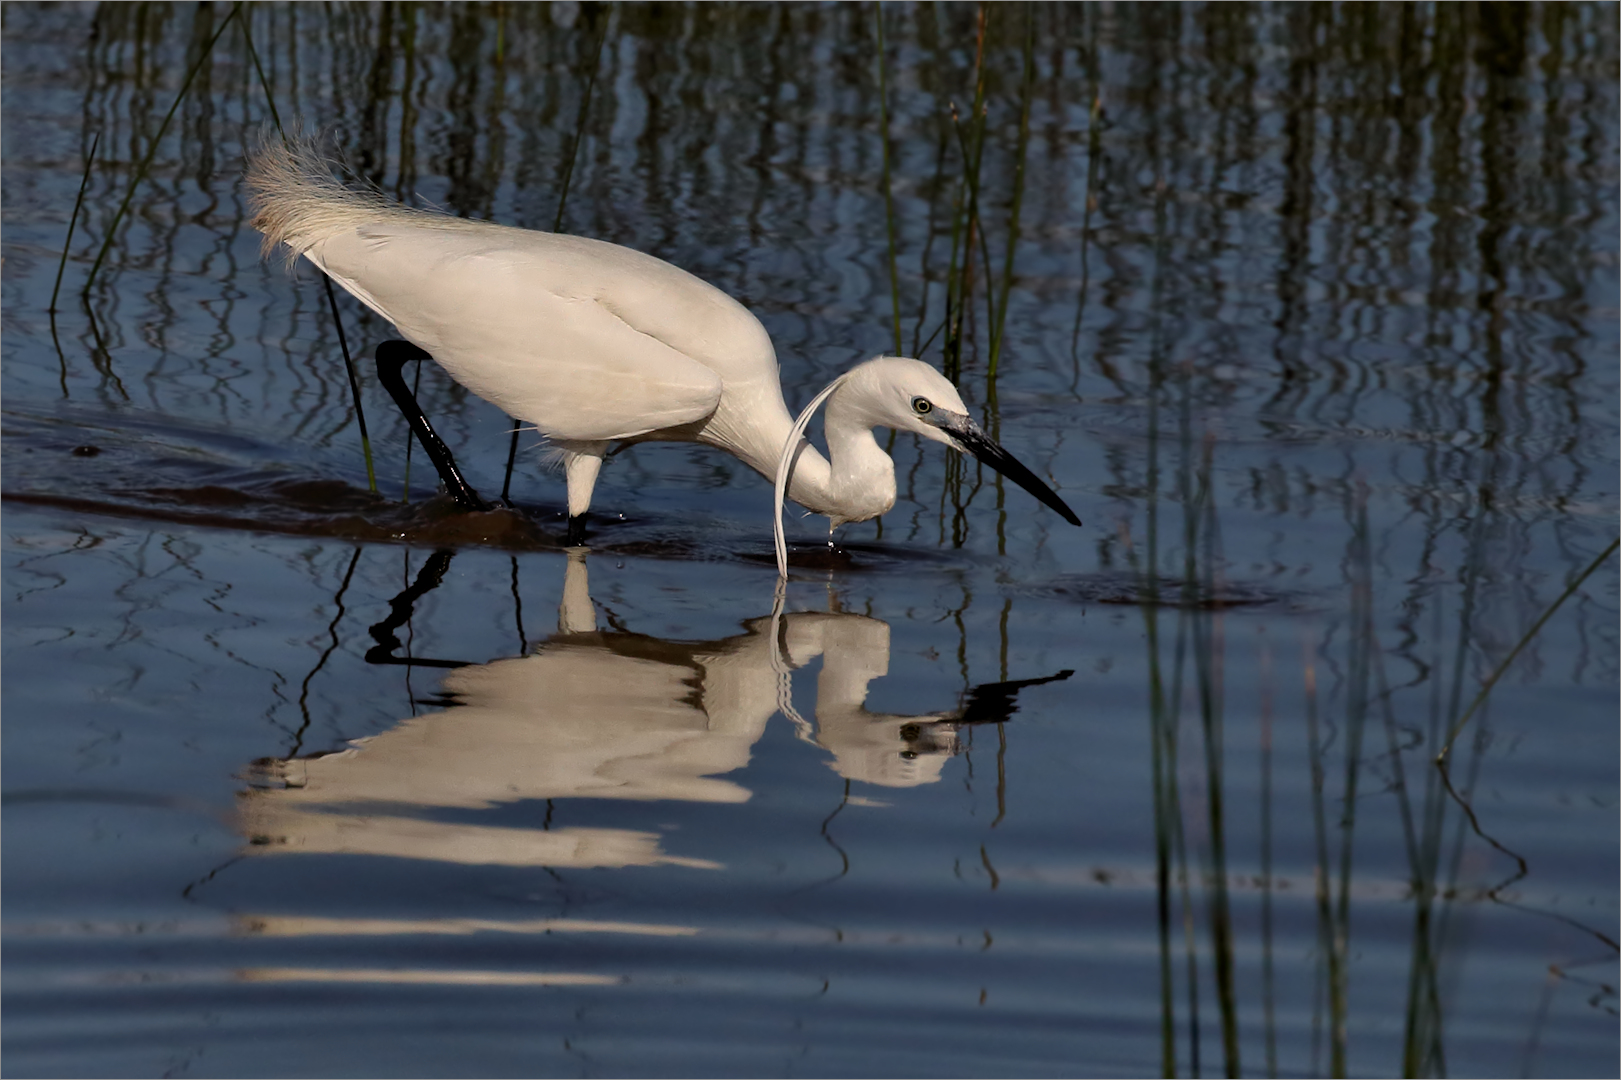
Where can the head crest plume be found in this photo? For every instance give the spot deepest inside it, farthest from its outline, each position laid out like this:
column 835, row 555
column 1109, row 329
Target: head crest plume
column 785, row 466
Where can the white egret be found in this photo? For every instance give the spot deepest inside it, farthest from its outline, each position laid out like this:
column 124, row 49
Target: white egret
column 594, row 344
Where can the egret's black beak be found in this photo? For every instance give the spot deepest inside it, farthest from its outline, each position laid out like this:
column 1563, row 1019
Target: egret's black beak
column 968, row 435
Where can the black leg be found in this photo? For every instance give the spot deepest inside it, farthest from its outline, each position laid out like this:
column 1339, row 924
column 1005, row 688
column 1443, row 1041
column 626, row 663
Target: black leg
column 391, row 357
column 576, row 531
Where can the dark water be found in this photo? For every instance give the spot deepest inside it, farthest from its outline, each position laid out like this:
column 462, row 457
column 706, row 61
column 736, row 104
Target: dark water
column 1310, row 313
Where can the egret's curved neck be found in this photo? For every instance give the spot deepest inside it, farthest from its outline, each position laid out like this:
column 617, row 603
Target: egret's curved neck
column 811, row 483
column 859, row 481
column 862, row 479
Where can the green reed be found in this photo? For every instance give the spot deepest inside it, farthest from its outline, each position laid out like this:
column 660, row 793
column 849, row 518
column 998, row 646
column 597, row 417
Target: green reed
column 1172, row 879
column 1269, row 1013
column 965, row 218
column 999, row 322
column 143, row 171
column 78, row 204
column 61, row 265
column 326, row 279
column 889, row 191
column 145, row 166
column 1525, row 639
column 1322, row 876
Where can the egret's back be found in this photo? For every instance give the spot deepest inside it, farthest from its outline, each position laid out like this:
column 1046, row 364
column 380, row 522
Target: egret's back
column 584, row 339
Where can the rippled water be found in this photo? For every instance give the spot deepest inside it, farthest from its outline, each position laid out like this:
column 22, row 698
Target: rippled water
column 1310, row 313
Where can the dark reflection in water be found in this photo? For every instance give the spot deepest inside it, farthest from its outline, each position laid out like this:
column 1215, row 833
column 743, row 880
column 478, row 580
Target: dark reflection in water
column 1313, row 308
column 605, row 715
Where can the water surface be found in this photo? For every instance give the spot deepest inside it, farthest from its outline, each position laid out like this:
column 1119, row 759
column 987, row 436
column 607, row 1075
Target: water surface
column 1309, row 312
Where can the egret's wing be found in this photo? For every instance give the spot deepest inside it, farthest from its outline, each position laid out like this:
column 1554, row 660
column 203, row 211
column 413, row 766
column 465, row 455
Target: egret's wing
column 517, row 318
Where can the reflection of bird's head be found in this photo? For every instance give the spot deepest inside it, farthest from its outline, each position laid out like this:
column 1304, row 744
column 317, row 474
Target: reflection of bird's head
column 874, row 748
column 892, row 751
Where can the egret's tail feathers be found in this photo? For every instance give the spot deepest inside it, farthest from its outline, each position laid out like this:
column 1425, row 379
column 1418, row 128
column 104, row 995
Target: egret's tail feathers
column 297, row 201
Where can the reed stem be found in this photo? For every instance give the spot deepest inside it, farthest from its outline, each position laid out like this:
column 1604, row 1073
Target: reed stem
column 152, row 148
column 331, row 294
column 78, row 203
column 1491, row 681
column 354, row 383
column 889, row 193
column 999, row 324
column 966, row 216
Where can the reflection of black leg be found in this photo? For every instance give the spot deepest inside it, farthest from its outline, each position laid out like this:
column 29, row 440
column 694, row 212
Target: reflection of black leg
column 576, row 531
column 399, row 613
column 391, row 357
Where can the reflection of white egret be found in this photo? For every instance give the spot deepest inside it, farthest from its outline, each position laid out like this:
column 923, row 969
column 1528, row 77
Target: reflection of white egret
column 595, row 344
column 590, row 714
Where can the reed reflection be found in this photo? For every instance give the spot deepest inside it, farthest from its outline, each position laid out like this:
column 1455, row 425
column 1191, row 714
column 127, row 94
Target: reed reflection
column 594, row 713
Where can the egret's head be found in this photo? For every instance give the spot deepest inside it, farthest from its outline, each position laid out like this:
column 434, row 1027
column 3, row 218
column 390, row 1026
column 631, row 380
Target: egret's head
column 909, row 395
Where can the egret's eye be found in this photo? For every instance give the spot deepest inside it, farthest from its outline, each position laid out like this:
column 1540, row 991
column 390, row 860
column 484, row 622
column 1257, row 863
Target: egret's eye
column 922, row 406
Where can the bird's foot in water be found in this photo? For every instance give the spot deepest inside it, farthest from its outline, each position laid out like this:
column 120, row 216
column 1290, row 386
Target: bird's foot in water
column 575, row 536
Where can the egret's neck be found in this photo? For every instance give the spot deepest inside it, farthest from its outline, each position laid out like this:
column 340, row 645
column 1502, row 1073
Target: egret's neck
column 857, row 484
column 861, row 476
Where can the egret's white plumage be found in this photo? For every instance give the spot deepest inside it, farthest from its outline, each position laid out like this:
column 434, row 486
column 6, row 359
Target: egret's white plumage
column 593, row 343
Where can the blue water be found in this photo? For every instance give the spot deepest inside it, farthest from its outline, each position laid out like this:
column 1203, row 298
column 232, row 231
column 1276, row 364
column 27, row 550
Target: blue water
column 1312, row 318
